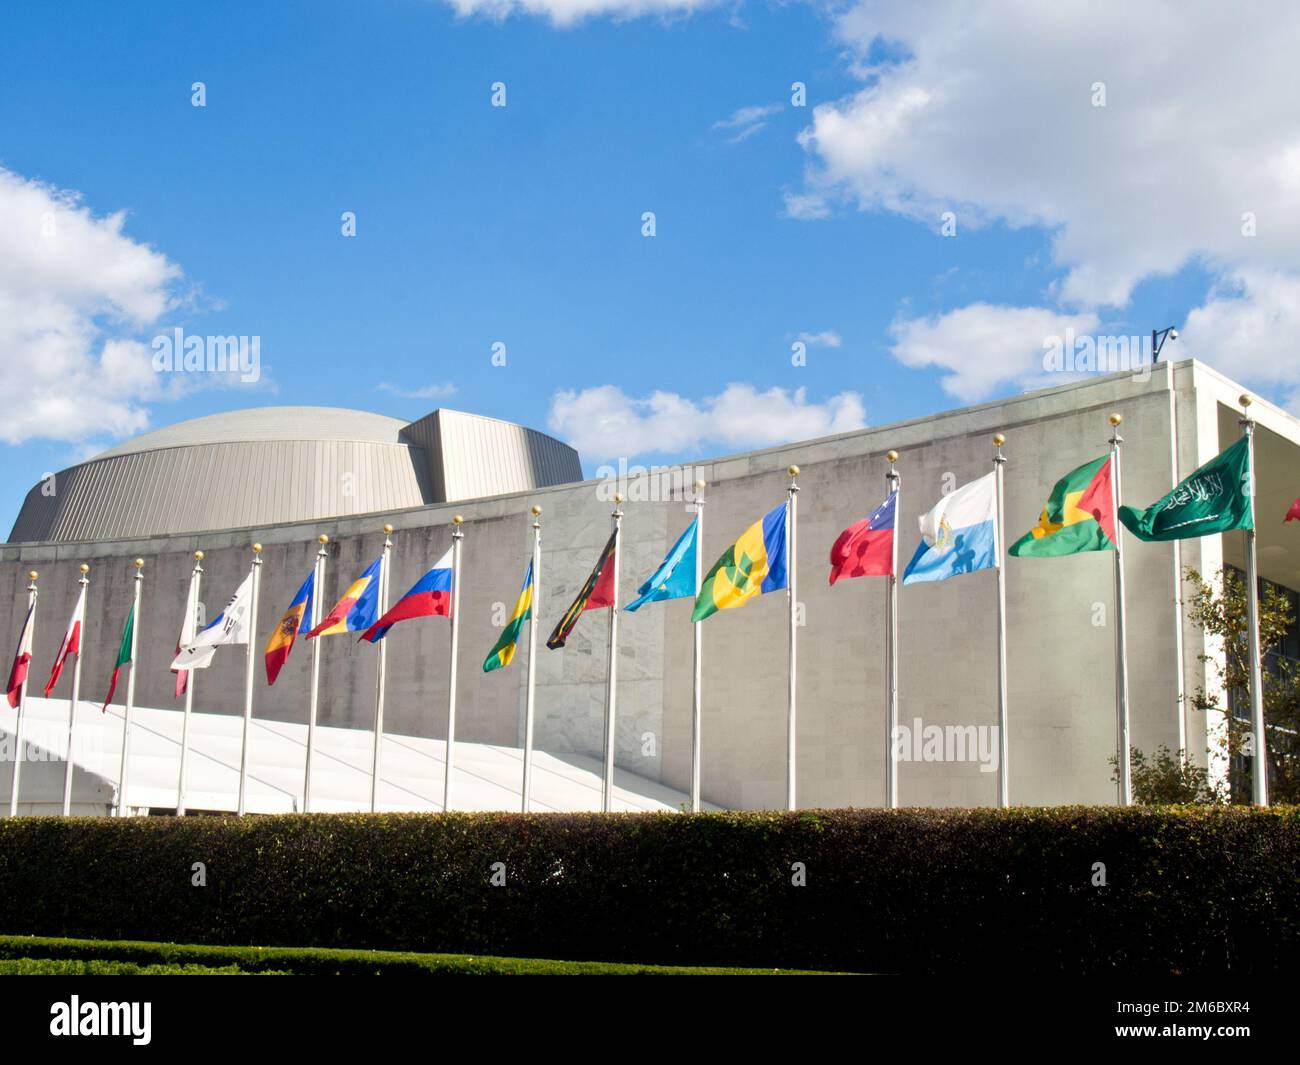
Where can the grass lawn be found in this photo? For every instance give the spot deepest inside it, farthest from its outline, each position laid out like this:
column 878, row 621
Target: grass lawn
column 31, row 955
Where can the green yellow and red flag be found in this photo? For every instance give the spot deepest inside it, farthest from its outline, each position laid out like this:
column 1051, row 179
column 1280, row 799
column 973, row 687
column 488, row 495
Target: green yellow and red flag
column 597, row 592
column 1079, row 516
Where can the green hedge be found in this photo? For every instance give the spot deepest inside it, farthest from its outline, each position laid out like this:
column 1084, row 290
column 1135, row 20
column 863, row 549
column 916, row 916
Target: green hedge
column 1192, row 889
column 94, row 956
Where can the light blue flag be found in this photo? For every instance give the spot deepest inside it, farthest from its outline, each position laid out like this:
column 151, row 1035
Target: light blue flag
column 958, row 535
column 675, row 577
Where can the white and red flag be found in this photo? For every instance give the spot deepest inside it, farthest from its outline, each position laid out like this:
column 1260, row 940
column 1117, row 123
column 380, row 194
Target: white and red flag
column 71, row 644
column 188, row 630
column 22, row 659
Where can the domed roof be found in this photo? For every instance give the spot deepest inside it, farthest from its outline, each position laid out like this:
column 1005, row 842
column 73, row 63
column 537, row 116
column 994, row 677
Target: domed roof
column 267, row 423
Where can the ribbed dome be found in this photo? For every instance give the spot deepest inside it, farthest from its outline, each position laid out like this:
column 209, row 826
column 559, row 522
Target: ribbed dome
column 268, row 423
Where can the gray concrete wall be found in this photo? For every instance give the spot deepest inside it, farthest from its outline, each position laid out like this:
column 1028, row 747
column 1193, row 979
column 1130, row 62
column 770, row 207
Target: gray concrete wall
column 1061, row 682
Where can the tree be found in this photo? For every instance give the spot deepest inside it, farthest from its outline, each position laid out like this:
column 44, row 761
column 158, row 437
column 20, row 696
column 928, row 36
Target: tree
column 1168, row 779
column 1219, row 608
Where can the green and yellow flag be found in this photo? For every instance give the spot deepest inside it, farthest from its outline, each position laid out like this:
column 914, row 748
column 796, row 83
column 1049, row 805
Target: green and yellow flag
column 754, row 564
column 1079, row 516
column 504, row 649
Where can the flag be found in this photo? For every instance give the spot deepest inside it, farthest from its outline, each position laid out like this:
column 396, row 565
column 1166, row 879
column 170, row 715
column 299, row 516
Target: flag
column 958, row 535
column 359, row 607
column 866, row 548
column 597, row 592
column 430, row 596
column 1079, row 516
column 675, row 577
column 1294, row 513
column 504, row 649
column 754, row 564
column 230, row 626
column 123, row 656
column 22, row 658
column 188, row 624
column 1214, row 499
column 279, row 646
column 71, row 644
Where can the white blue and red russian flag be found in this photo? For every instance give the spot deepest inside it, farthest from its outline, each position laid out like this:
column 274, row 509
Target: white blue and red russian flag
column 430, row 596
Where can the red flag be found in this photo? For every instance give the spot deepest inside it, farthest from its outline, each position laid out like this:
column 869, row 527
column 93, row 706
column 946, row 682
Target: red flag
column 22, row 658
column 71, row 644
column 1294, row 513
column 1098, row 499
column 866, row 548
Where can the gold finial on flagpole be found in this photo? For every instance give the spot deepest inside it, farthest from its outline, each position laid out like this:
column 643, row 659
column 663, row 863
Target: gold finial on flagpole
column 139, row 563
column 257, row 549
column 1115, row 419
column 31, row 576
column 322, row 539
column 388, row 529
column 457, row 520
column 891, row 457
column 1245, row 400
column 198, row 556
column 84, row 568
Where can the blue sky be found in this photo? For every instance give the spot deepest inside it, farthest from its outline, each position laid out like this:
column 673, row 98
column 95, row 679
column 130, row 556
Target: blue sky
column 523, row 224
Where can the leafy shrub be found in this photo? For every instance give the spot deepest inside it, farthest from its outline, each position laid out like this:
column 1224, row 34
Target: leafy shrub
column 1187, row 889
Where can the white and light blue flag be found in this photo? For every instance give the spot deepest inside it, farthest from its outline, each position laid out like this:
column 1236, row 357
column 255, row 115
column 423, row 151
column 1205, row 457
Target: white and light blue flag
column 959, row 535
column 230, row 626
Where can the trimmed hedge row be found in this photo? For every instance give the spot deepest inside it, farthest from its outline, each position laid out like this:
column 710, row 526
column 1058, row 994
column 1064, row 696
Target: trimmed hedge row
column 95, row 955
column 1188, row 889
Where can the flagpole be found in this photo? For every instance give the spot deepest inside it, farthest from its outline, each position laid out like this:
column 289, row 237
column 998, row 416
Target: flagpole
column 379, row 680
column 892, row 483
column 791, row 531
column 1179, row 655
column 697, row 715
column 248, row 678
column 456, row 537
column 1125, row 785
column 130, row 691
column 22, row 700
column 318, row 589
column 191, row 602
column 1259, row 747
column 1003, row 774
column 534, row 608
column 76, row 698
column 607, row 803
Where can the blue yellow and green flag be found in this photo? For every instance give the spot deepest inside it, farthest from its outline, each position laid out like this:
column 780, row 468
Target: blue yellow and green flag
column 754, row 564
column 504, row 649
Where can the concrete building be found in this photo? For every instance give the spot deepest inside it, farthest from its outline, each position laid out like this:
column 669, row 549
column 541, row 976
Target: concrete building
column 1060, row 650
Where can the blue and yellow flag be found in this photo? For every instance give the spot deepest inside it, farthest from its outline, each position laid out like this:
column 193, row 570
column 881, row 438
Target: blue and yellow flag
column 754, row 564
column 504, row 649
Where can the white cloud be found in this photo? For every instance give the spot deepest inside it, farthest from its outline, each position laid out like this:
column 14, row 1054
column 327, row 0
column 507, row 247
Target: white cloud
column 425, row 392
column 604, row 422
column 1247, row 329
column 747, row 121
column 982, row 347
column 827, row 338
column 76, row 298
column 569, row 12
column 990, row 114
